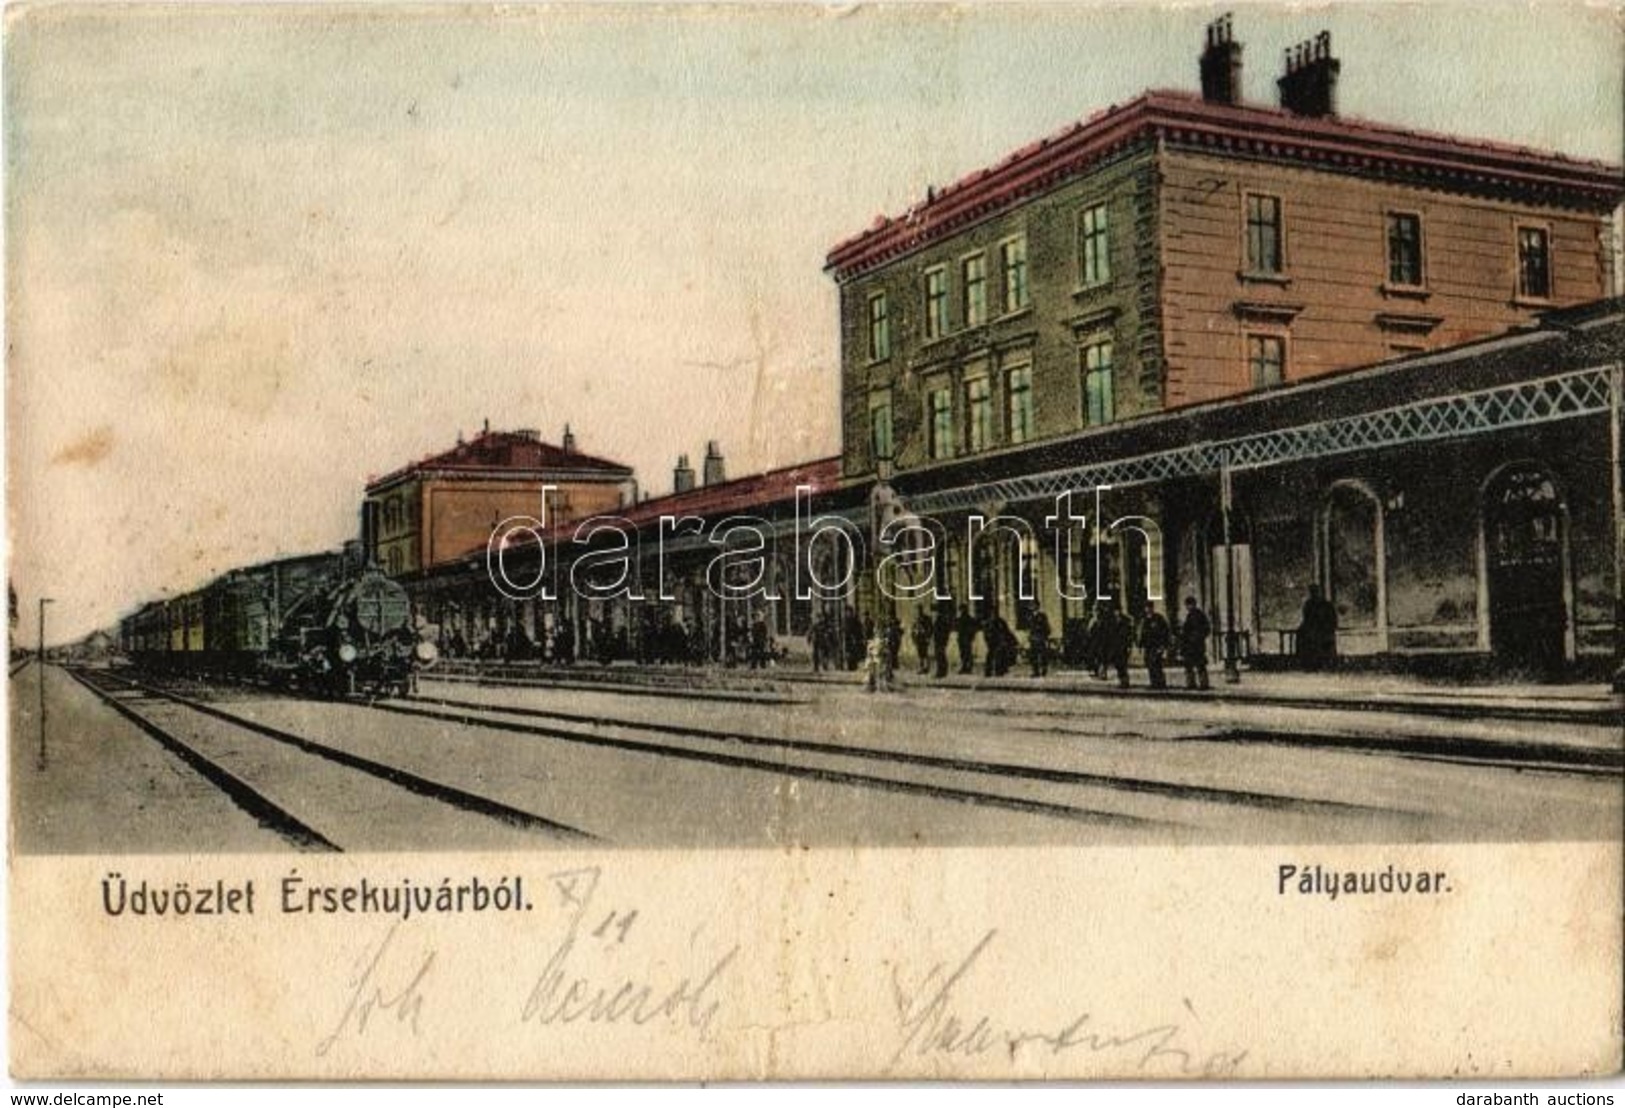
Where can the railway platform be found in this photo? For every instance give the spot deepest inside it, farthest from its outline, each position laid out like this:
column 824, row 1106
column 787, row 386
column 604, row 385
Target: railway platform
column 1556, row 703
column 88, row 777
column 620, row 755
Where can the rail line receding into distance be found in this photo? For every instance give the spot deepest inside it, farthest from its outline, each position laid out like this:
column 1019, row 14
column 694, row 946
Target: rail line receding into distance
column 127, row 696
column 489, row 715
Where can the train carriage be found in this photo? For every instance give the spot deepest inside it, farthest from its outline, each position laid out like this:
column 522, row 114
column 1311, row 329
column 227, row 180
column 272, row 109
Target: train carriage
column 322, row 623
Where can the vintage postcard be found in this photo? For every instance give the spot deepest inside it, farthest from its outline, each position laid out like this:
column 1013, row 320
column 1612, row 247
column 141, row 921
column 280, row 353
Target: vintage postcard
column 792, row 541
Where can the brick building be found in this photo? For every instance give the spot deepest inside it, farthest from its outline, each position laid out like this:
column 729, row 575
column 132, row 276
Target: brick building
column 437, row 509
column 1110, row 293
column 639, row 582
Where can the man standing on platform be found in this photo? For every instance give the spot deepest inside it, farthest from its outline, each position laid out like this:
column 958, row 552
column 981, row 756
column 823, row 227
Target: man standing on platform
column 1155, row 638
column 1193, row 636
column 967, row 640
column 921, row 634
column 1038, row 642
column 942, row 629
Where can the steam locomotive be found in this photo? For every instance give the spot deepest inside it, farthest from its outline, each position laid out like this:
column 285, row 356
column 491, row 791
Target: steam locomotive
column 323, row 623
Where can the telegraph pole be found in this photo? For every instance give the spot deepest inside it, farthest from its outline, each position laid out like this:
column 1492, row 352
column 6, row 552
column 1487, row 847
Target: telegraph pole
column 881, row 498
column 40, row 676
column 1232, row 665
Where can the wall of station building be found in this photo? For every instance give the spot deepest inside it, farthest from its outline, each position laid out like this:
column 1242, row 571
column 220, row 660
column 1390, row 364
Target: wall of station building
column 679, row 618
column 1500, row 547
column 1334, row 299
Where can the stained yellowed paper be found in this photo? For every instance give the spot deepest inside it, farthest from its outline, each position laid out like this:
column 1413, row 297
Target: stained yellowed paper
column 260, row 259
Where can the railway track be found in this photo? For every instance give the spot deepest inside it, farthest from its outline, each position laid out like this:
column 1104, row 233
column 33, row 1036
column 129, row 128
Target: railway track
column 790, row 686
column 1131, row 803
column 313, row 795
column 691, row 684
column 1038, row 789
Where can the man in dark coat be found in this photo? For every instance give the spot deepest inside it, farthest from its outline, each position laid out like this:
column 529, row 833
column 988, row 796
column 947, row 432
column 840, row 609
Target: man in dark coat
column 1155, row 638
column 823, row 642
column 1096, row 645
column 921, row 634
column 966, row 629
column 893, row 631
column 1001, row 647
column 760, row 642
column 942, row 629
column 1038, row 642
column 857, row 638
column 1317, row 631
column 1116, row 640
column 1193, row 635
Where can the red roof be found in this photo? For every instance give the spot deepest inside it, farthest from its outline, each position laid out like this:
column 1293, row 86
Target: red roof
column 744, row 495
column 1338, row 143
column 509, row 452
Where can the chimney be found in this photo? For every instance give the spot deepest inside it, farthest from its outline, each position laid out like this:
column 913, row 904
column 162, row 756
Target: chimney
column 1221, row 64
column 1309, row 86
column 714, row 473
column 569, row 443
column 682, row 478
column 369, row 530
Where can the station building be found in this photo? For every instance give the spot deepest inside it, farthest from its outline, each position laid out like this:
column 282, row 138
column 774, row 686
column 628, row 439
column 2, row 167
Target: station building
column 643, row 581
column 1309, row 350
column 437, row 509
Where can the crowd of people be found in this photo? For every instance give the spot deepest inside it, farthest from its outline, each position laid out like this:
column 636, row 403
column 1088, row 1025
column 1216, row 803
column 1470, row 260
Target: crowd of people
column 1102, row 644
column 742, row 640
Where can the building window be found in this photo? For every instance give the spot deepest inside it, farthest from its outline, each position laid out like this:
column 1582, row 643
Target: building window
column 1266, row 358
column 974, row 272
column 936, row 303
column 880, row 429
column 1405, row 249
column 1534, row 263
column 1094, row 246
column 1018, row 388
column 940, row 404
column 978, row 414
column 1264, row 253
column 1099, row 401
column 879, row 328
column 1013, row 263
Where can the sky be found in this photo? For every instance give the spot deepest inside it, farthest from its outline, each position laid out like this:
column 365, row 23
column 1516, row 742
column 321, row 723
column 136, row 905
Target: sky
column 257, row 254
